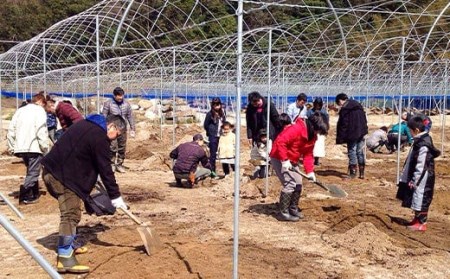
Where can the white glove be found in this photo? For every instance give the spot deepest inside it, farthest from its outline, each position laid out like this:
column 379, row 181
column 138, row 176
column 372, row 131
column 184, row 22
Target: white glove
column 119, row 203
column 286, row 166
column 311, row 176
column 132, row 134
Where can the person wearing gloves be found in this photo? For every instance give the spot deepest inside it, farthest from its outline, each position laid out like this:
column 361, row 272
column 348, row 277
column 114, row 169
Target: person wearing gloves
column 119, row 106
column 70, row 172
column 292, row 143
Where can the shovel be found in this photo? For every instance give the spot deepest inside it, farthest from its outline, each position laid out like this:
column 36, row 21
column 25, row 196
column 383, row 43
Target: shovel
column 148, row 235
column 334, row 190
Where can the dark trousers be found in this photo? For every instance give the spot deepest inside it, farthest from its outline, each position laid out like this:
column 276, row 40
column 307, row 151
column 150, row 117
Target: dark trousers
column 118, row 148
column 33, row 163
column 213, row 146
column 393, row 141
column 226, row 168
column 69, row 204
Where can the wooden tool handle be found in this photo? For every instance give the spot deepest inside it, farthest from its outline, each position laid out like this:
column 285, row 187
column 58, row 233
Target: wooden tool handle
column 131, row 215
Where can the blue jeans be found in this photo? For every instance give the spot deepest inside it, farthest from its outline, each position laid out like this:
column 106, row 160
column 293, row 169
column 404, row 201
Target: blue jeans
column 356, row 152
column 213, row 146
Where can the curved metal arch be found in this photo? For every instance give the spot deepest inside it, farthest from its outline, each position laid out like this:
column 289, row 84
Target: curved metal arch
column 431, row 30
column 341, row 30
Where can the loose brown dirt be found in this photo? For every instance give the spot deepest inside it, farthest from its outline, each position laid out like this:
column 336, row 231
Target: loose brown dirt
column 361, row 236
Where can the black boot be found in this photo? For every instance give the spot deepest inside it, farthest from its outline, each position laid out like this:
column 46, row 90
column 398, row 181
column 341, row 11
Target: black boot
column 35, row 190
column 26, row 196
column 293, row 207
column 285, row 201
column 352, row 171
column 316, row 161
column 361, row 171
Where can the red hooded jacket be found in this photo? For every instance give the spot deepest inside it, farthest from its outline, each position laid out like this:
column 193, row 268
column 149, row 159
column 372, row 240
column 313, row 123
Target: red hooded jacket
column 292, row 144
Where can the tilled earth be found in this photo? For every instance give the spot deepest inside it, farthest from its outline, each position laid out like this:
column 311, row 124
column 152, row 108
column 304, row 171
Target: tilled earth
column 361, row 236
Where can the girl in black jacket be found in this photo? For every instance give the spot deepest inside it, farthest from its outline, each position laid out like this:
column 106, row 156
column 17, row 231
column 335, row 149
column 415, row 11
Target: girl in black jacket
column 213, row 121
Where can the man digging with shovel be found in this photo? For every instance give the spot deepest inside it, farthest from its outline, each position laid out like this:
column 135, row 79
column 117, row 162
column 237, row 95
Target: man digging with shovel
column 71, row 170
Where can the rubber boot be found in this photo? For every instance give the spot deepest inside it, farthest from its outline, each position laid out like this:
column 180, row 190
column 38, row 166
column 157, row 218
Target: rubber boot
column 293, row 206
column 66, row 260
column 285, row 201
column 26, row 196
column 316, row 161
column 361, row 171
column 419, row 222
column 78, row 246
column 35, row 190
column 352, row 171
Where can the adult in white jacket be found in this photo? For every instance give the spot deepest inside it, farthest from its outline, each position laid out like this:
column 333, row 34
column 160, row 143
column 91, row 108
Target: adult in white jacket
column 28, row 139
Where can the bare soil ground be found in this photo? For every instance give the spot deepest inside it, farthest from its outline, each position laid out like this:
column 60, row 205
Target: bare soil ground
column 361, row 236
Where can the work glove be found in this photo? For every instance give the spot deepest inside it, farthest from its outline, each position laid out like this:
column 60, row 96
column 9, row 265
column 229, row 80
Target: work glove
column 286, row 166
column 132, row 134
column 411, row 185
column 311, row 176
column 119, row 203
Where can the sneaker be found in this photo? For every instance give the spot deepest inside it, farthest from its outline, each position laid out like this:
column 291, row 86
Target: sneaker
column 213, row 174
column 120, row 169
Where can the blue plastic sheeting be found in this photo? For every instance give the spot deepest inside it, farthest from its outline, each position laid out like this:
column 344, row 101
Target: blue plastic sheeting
column 200, row 99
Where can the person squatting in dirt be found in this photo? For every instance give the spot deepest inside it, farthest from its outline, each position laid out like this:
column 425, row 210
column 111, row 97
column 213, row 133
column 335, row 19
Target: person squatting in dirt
column 293, row 143
column 226, row 149
column 377, row 140
column 119, row 106
column 259, row 154
column 28, row 139
column 416, row 184
column 187, row 157
column 319, row 146
column 351, row 129
column 70, row 172
column 212, row 125
column 401, row 129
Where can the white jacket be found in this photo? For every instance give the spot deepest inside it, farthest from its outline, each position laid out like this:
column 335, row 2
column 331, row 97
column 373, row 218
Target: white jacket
column 27, row 132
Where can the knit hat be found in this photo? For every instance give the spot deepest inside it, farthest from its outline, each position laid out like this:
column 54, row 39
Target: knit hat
column 197, row 137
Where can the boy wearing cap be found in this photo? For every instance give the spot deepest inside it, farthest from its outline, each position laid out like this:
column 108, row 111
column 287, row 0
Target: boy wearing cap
column 119, row 106
column 187, row 157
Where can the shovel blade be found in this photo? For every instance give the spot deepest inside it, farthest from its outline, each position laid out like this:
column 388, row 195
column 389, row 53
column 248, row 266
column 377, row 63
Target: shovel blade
column 150, row 239
column 337, row 192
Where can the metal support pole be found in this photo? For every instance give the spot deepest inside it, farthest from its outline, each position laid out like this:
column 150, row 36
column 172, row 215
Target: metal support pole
column 17, row 82
column 237, row 177
column 402, row 54
column 174, row 116
column 13, row 208
column 97, row 43
column 269, row 81
column 444, row 108
column 29, row 248
column 44, row 62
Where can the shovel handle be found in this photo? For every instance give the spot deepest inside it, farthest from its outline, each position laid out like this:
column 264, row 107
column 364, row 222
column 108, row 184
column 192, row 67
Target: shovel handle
column 315, row 182
column 131, row 215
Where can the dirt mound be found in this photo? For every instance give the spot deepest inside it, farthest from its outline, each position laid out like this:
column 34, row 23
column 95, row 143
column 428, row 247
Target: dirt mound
column 365, row 240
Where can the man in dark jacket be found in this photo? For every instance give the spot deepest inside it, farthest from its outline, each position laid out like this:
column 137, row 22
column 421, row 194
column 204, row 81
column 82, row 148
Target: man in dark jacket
column 188, row 156
column 256, row 117
column 351, row 129
column 70, row 173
